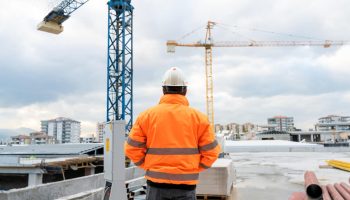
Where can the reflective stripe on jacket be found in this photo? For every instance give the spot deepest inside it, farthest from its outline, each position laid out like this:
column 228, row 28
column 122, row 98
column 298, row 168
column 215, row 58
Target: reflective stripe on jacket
column 172, row 142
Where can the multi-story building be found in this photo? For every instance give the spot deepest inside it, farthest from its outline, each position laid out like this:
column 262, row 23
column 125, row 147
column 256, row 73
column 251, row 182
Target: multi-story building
column 41, row 138
column 249, row 127
column 63, row 130
column 281, row 123
column 20, row 139
column 33, row 138
column 264, row 128
column 333, row 122
column 218, row 128
column 234, row 128
column 99, row 131
column 44, row 126
column 88, row 139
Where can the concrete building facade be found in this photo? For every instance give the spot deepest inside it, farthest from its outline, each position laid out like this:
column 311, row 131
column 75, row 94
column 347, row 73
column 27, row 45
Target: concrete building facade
column 31, row 165
column 63, row 130
column 249, row 127
column 273, row 135
column 281, row 123
column 320, row 136
column 41, row 138
column 99, row 131
column 88, row 139
column 333, row 122
column 33, row 138
column 21, row 139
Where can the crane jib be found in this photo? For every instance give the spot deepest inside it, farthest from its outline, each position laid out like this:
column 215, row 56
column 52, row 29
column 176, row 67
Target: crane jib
column 120, row 52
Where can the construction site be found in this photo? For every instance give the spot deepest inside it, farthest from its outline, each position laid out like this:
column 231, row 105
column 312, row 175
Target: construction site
column 103, row 62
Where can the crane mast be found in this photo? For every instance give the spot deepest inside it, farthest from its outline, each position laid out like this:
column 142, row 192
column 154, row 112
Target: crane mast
column 208, row 45
column 209, row 74
column 119, row 115
column 119, row 53
column 120, row 62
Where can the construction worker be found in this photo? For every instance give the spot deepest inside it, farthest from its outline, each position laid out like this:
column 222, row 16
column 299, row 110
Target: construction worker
column 172, row 142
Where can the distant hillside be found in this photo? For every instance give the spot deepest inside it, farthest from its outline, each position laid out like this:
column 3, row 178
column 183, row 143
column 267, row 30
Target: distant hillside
column 7, row 133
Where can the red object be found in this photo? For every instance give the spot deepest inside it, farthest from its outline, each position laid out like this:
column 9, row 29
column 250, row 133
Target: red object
column 334, row 193
column 342, row 191
column 345, row 186
column 313, row 189
column 298, row 196
column 326, row 195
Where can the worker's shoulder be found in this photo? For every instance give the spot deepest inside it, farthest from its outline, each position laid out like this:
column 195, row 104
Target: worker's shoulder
column 197, row 113
column 163, row 107
column 148, row 111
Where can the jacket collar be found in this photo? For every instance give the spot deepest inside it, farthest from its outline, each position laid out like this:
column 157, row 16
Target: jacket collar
column 174, row 99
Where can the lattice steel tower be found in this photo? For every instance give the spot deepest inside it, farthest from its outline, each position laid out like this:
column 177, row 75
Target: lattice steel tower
column 119, row 55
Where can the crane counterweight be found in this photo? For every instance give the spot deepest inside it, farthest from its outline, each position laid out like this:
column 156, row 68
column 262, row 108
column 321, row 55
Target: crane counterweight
column 50, row 27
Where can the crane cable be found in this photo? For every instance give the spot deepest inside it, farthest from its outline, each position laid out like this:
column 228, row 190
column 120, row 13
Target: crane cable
column 270, row 32
column 190, row 33
column 229, row 28
column 235, row 33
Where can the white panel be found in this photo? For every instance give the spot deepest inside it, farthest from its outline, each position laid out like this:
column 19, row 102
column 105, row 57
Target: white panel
column 59, row 132
column 114, row 158
column 51, row 128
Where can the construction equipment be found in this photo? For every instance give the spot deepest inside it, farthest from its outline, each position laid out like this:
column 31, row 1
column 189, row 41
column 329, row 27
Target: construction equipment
column 314, row 190
column 209, row 43
column 119, row 57
column 119, row 84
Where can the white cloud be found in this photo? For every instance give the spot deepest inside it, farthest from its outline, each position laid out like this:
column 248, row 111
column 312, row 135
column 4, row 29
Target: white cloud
column 45, row 76
column 337, row 64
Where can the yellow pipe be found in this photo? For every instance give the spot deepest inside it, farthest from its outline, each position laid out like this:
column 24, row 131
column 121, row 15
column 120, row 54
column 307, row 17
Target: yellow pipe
column 339, row 164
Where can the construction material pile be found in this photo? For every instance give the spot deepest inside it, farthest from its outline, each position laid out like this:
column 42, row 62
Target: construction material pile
column 313, row 190
column 339, row 164
column 217, row 180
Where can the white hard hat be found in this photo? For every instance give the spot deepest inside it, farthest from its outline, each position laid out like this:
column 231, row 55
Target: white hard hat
column 174, row 77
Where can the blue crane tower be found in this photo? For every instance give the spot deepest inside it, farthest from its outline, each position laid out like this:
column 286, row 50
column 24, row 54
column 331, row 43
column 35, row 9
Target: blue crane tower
column 119, row 83
column 119, row 56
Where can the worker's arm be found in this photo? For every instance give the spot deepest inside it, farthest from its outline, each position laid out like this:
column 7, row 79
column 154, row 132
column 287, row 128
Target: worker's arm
column 135, row 146
column 208, row 147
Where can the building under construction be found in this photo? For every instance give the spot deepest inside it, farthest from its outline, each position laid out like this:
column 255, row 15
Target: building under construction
column 269, row 168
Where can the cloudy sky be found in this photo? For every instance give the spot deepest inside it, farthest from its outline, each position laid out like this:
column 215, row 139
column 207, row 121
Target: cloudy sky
column 44, row 76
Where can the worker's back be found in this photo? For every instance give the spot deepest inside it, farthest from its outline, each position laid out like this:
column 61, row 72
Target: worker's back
column 173, row 128
column 172, row 142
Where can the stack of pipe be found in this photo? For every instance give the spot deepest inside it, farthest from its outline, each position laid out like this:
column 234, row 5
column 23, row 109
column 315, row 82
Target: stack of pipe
column 315, row 191
column 339, row 164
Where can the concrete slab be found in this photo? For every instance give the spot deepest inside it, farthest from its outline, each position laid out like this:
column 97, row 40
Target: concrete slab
column 276, row 175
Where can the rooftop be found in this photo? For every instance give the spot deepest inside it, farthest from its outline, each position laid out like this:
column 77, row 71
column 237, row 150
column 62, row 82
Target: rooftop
column 51, row 149
column 273, row 132
column 59, row 119
column 280, row 117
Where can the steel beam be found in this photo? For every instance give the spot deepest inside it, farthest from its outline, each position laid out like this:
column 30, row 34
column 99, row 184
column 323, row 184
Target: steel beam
column 120, row 62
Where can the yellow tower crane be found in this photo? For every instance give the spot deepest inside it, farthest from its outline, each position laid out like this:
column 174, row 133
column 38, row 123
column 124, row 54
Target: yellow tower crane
column 208, row 45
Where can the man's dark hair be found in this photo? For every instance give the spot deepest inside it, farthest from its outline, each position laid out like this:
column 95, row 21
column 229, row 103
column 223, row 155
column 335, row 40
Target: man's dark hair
column 175, row 90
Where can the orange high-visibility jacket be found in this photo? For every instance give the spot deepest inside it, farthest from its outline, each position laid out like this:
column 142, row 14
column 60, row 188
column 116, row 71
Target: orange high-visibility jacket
column 172, row 142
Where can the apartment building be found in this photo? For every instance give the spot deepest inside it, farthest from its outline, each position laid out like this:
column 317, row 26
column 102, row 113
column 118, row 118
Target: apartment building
column 99, row 131
column 63, row 130
column 281, row 123
column 333, row 123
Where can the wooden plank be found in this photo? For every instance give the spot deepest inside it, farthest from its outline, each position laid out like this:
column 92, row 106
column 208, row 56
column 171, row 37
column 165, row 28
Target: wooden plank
column 212, row 197
column 325, row 167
